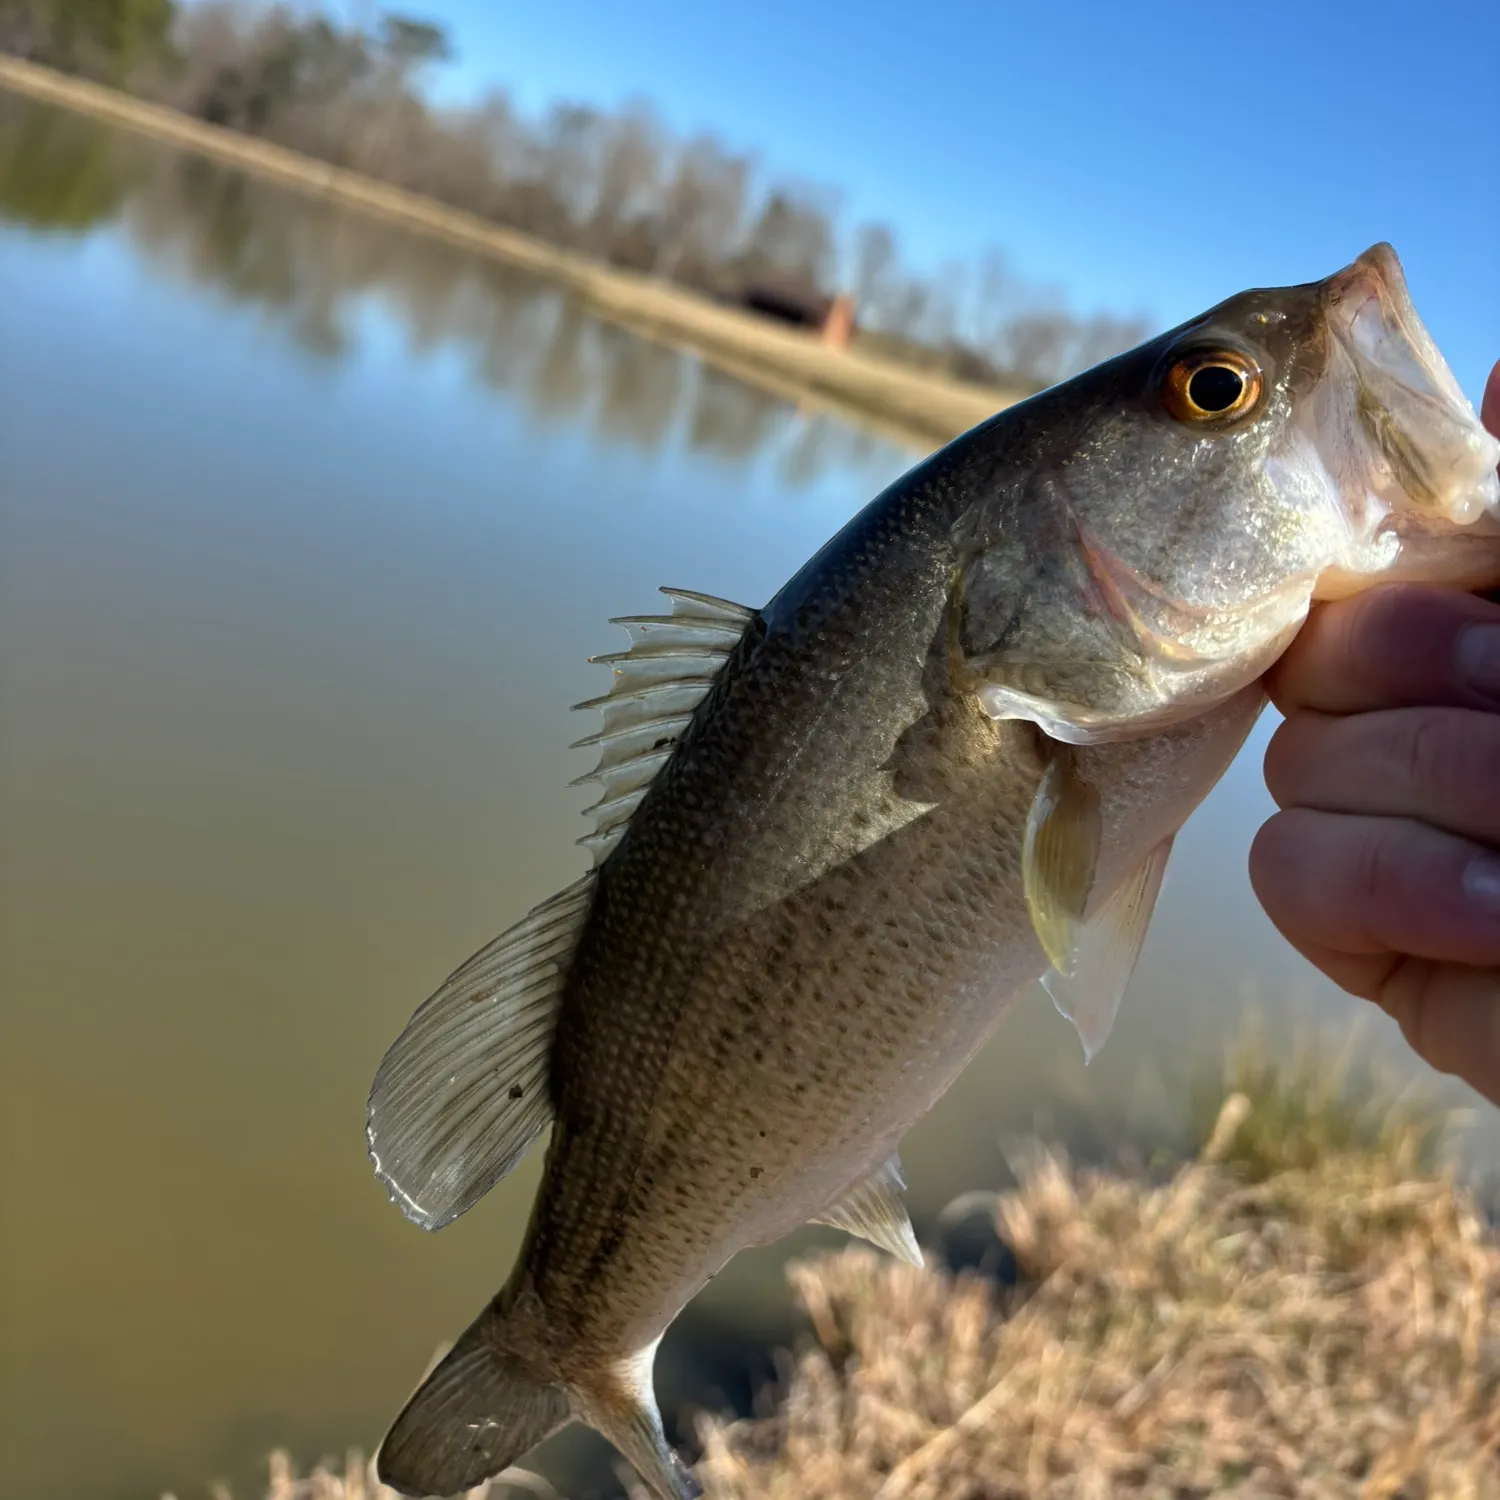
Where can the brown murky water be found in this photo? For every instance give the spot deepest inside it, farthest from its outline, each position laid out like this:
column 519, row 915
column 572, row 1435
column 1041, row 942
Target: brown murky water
column 306, row 530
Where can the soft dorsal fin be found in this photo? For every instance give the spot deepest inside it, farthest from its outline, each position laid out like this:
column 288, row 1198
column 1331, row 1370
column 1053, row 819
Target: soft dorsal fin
column 873, row 1210
column 463, row 1092
column 659, row 681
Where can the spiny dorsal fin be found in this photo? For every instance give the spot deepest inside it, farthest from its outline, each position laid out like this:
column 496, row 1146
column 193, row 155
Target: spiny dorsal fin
column 873, row 1210
column 463, row 1091
column 660, row 679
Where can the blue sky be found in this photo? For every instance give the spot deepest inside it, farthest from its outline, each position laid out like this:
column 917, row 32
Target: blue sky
column 1140, row 158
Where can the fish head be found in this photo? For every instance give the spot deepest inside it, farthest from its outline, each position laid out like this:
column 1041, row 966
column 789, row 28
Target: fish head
column 1173, row 513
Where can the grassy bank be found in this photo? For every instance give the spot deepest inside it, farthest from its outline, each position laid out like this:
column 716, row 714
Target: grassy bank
column 1310, row 1307
column 926, row 407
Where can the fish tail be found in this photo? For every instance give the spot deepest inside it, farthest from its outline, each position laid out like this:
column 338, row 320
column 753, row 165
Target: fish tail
column 482, row 1408
column 474, row 1415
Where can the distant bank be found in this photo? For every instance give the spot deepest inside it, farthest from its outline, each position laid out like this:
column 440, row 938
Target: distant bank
column 915, row 405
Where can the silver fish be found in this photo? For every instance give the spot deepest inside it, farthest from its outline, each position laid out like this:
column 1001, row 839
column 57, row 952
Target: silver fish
column 840, row 833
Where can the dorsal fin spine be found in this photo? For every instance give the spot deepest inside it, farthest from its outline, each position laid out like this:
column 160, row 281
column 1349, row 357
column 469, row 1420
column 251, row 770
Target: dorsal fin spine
column 659, row 681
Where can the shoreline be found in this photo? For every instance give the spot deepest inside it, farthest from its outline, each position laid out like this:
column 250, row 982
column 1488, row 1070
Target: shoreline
column 910, row 405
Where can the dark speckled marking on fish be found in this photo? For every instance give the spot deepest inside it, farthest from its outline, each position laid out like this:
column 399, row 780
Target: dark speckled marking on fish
column 836, row 836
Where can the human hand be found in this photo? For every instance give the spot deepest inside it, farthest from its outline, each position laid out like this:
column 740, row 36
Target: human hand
column 1383, row 865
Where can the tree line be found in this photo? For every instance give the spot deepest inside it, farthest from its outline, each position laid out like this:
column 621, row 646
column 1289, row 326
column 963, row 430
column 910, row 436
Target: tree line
column 617, row 185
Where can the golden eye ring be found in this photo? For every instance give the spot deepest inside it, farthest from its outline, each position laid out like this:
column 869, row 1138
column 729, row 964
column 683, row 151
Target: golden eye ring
column 1212, row 385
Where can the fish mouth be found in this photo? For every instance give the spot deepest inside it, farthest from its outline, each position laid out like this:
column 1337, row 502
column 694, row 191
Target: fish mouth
column 1369, row 301
column 1427, row 452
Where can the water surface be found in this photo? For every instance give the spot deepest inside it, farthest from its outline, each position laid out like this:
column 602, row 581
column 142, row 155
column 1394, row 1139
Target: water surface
column 307, row 528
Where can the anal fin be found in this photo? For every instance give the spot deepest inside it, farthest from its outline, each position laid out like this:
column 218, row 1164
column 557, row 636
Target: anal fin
column 872, row 1209
column 1103, row 952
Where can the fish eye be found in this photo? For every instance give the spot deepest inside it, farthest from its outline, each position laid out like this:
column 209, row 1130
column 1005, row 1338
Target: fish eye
column 1211, row 385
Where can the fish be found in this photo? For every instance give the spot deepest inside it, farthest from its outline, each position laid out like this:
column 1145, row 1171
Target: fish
column 839, row 834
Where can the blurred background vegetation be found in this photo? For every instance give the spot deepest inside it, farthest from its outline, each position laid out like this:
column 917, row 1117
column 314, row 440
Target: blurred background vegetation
column 613, row 185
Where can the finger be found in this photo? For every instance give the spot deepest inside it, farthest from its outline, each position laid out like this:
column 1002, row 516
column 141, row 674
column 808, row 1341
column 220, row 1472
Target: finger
column 1390, row 647
column 1449, row 1015
column 1439, row 766
column 1489, row 410
column 1371, row 886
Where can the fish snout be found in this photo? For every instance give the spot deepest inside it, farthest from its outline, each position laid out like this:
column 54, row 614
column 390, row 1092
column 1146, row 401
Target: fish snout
column 1429, row 454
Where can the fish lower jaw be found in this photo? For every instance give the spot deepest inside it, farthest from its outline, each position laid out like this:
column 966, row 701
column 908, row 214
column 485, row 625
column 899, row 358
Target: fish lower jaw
column 1450, row 559
column 1409, row 544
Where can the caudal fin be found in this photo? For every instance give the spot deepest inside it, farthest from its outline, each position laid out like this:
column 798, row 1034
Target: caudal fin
column 478, row 1412
column 473, row 1416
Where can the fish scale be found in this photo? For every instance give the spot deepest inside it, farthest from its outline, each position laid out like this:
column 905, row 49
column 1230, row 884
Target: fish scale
column 838, row 836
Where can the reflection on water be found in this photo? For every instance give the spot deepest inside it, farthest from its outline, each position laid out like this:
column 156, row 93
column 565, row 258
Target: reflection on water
column 311, row 270
column 307, row 527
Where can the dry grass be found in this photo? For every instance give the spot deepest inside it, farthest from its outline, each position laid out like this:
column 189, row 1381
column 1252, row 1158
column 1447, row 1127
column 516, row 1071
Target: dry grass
column 1310, row 1307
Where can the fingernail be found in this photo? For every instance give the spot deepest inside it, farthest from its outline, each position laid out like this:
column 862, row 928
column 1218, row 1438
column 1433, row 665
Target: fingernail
column 1478, row 659
column 1481, row 881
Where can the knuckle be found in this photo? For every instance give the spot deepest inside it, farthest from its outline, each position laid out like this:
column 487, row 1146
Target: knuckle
column 1450, row 757
column 1283, row 759
column 1425, row 754
column 1279, row 865
column 1371, row 630
column 1268, row 870
column 1376, row 874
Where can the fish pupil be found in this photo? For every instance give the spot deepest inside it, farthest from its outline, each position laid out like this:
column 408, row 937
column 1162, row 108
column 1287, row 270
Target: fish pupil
column 1215, row 387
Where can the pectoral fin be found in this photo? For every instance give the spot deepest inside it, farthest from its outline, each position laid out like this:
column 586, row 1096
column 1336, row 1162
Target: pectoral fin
column 1059, row 854
column 873, row 1210
column 1103, row 955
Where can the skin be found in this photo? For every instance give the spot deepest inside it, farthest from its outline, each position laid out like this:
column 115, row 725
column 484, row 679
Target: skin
column 1383, row 865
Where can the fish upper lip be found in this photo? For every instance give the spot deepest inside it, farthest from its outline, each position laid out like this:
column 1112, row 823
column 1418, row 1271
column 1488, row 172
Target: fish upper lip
column 1378, row 276
column 1376, row 273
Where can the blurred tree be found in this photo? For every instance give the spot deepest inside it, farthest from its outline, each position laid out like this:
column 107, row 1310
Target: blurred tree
column 613, row 184
column 701, row 211
column 1104, row 336
column 875, row 260
column 792, row 238
column 939, row 326
column 627, row 174
column 410, row 45
column 908, row 306
column 992, row 290
column 567, row 160
column 1035, row 343
column 105, row 39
